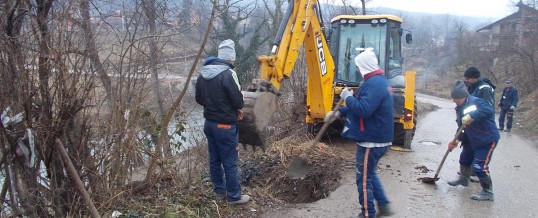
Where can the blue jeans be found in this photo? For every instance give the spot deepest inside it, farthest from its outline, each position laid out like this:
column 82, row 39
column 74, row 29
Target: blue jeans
column 223, row 142
column 509, row 114
column 368, row 183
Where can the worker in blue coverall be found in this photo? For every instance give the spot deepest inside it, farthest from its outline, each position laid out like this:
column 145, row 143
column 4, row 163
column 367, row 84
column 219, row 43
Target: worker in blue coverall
column 480, row 87
column 508, row 104
column 478, row 117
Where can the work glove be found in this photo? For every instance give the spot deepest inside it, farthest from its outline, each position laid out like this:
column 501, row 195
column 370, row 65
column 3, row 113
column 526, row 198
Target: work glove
column 346, row 92
column 466, row 120
column 332, row 116
column 512, row 107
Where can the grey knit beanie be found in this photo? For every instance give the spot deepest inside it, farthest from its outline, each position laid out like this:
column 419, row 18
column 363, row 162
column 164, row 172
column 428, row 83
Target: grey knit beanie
column 227, row 50
column 459, row 90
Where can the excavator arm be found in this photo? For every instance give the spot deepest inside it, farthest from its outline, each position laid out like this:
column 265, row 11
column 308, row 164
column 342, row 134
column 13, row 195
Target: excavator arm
column 300, row 28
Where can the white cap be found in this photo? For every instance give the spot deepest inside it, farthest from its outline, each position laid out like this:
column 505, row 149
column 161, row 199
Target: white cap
column 367, row 61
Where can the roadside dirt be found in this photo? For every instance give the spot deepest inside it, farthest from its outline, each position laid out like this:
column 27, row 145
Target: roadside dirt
column 329, row 190
column 269, row 170
column 264, row 176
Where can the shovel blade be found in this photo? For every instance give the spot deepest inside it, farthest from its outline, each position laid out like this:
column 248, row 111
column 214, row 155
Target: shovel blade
column 298, row 168
column 429, row 180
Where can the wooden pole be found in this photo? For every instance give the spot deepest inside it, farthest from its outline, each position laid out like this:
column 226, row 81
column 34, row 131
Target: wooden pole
column 75, row 177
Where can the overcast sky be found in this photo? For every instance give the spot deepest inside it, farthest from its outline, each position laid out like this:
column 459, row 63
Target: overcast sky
column 475, row 8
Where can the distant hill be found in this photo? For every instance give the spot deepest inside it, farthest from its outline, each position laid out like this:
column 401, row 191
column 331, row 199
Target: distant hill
column 472, row 22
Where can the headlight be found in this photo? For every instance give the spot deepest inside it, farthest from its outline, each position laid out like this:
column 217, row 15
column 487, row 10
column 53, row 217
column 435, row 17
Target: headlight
column 375, row 21
column 383, row 20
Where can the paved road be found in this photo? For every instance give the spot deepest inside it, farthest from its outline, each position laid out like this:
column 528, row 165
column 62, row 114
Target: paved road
column 514, row 171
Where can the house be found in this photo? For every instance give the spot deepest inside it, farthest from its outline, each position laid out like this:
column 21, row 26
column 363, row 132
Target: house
column 517, row 30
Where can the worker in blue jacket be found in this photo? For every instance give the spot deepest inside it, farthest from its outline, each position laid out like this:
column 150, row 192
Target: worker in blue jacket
column 369, row 122
column 481, row 87
column 508, row 104
column 481, row 131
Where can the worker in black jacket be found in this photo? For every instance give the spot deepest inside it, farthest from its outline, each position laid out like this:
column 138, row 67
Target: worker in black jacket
column 218, row 91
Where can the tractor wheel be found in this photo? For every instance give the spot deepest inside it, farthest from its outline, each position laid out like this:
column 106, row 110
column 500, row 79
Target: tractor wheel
column 404, row 137
column 399, row 134
column 408, row 138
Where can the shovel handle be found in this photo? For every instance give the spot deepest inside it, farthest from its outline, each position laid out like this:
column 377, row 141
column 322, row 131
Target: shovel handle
column 458, row 133
column 441, row 164
column 324, row 127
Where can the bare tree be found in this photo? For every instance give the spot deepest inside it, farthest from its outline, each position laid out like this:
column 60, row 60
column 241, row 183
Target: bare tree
column 74, row 72
column 150, row 177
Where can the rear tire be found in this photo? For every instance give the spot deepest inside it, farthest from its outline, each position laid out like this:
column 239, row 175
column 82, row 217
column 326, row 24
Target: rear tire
column 404, row 137
column 399, row 134
column 311, row 130
column 408, row 138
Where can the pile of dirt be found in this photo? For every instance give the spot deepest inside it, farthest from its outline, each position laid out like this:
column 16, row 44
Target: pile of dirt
column 269, row 171
column 318, row 184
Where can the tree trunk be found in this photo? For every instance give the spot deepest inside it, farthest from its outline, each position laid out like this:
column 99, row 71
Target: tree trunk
column 93, row 54
column 149, row 10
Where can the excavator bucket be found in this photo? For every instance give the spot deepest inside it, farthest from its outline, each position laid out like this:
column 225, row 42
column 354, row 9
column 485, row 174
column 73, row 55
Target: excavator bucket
column 257, row 112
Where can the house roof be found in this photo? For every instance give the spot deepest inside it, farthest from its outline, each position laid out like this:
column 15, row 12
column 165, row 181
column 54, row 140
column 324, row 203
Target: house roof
column 517, row 14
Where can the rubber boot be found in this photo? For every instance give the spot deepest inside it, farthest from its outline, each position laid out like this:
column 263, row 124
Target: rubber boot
column 487, row 190
column 463, row 178
column 473, row 177
column 385, row 210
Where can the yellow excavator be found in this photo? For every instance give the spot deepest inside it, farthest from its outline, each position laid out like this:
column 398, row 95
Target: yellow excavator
column 329, row 56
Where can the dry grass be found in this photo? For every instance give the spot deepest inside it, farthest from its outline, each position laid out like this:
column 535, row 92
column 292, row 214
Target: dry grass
column 300, row 145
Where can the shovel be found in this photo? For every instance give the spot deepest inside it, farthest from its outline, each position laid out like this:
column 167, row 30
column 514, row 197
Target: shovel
column 299, row 166
column 431, row 180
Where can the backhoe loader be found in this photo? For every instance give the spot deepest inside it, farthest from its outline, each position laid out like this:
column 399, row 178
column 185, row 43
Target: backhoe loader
column 329, row 56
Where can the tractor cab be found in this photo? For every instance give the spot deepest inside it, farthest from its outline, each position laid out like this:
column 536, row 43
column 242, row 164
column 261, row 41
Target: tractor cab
column 349, row 35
